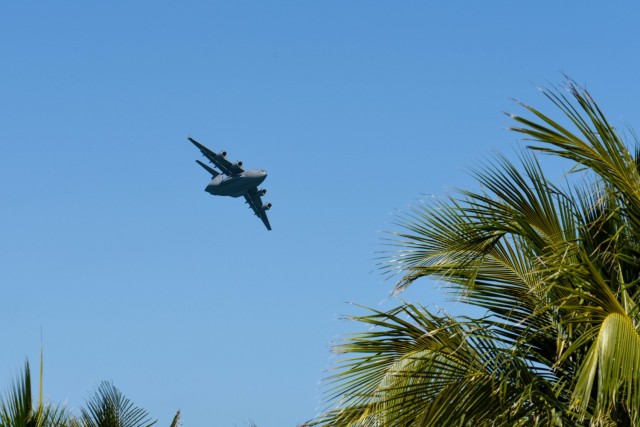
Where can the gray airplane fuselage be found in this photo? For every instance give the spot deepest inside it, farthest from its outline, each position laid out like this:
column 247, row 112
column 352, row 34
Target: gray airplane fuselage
column 236, row 185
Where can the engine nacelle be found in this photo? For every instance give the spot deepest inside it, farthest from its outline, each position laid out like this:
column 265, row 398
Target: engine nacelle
column 238, row 163
column 262, row 191
column 223, row 154
column 267, row 206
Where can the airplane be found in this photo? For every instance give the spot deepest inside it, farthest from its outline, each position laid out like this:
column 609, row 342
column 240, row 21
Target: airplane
column 234, row 181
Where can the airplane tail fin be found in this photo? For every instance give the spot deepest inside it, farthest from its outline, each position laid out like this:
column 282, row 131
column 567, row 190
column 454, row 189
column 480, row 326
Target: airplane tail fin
column 209, row 169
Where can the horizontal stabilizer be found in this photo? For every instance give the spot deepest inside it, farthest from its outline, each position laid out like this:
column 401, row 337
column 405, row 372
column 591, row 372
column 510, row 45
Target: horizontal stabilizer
column 209, row 169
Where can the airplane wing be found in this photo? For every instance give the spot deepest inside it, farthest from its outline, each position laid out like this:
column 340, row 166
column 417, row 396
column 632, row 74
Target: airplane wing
column 219, row 159
column 255, row 202
column 209, row 169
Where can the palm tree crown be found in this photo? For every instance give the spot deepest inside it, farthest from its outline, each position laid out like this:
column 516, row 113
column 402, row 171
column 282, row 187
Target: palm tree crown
column 556, row 267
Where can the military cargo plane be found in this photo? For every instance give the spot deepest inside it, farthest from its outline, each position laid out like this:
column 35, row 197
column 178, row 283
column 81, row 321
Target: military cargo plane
column 234, row 181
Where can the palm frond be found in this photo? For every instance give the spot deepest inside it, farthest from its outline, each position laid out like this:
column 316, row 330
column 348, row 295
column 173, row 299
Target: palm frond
column 613, row 363
column 599, row 148
column 108, row 407
column 176, row 420
column 415, row 368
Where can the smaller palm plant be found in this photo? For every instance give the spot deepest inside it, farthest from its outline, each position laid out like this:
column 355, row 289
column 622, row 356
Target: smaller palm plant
column 17, row 408
column 108, row 407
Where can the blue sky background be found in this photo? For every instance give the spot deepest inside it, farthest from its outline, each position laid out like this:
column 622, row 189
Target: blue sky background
column 113, row 253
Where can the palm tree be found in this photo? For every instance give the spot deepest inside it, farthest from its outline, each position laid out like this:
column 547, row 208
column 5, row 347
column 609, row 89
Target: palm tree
column 17, row 408
column 108, row 407
column 556, row 268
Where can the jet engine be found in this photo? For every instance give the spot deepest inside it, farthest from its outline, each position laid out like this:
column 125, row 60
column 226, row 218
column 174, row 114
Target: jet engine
column 267, row 206
column 262, row 191
column 223, row 154
column 236, row 167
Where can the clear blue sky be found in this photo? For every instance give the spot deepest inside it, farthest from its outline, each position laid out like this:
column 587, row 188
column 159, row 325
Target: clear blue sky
column 110, row 248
